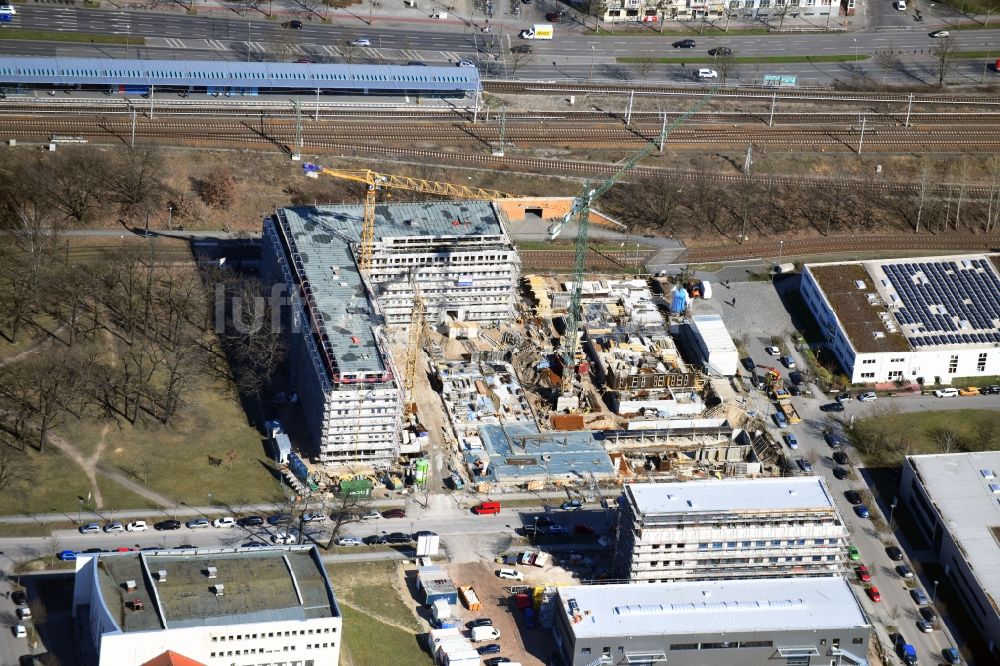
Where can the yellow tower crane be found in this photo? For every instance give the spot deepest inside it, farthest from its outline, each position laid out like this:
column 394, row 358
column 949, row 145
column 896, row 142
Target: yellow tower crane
column 377, row 181
column 413, row 347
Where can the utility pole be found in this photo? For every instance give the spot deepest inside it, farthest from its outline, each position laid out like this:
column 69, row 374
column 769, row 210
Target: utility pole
column 663, row 132
column 503, row 132
column 862, row 139
column 152, row 92
column 909, row 106
column 317, row 105
column 748, row 162
column 628, row 111
column 774, row 103
column 248, row 41
column 982, row 79
column 297, row 155
column 133, row 123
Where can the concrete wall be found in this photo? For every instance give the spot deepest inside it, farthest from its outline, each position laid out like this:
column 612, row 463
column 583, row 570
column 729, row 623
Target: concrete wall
column 960, row 576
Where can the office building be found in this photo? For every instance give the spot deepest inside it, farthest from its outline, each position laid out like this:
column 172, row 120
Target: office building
column 263, row 607
column 788, row 621
column 725, row 529
column 457, row 254
column 954, row 499
column 909, row 320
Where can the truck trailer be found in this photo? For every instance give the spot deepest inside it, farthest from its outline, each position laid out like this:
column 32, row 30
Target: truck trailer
column 537, row 31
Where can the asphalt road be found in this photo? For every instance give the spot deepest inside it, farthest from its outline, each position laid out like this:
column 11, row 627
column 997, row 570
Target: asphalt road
column 572, row 55
column 896, row 607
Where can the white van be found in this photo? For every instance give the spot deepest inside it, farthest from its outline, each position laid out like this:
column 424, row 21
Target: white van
column 510, row 574
column 707, row 74
column 487, row 633
column 946, row 393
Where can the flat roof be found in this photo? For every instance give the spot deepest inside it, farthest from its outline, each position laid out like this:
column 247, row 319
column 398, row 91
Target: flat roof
column 702, row 607
column 713, row 332
column 518, row 451
column 323, row 239
column 258, row 586
column 939, row 303
column 237, row 74
column 968, row 500
column 731, row 495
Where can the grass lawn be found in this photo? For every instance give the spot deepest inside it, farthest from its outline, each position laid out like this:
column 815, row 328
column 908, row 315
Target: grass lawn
column 847, row 57
column 30, row 335
column 53, row 36
column 211, row 423
column 885, row 438
column 369, row 642
column 370, row 587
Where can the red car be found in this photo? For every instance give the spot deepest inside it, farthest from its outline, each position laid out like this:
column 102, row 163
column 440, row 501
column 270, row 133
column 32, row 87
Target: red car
column 394, row 513
column 582, row 529
column 873, row 593
column 863, row 574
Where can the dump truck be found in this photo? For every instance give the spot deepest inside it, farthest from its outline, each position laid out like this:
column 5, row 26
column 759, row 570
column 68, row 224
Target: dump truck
column 791, row 415
column 780, row 393
column 469, row 597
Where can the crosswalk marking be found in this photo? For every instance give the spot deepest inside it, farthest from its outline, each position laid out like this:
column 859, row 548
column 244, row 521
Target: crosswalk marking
column 332, row 50
column 256, row 46
column 216, row 45
column 175, row 43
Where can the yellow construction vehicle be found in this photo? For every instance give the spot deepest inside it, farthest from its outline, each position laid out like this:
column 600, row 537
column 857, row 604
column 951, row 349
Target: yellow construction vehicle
column 379, row 181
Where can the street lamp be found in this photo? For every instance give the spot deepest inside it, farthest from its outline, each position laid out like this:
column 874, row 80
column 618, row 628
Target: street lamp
column 592, row 47
column 79, row 513
column 210, row 498
column 892, row 509
column 170, row 216
column 982, row 79
column 855, row 53
column 934, row 592
column 781, row 248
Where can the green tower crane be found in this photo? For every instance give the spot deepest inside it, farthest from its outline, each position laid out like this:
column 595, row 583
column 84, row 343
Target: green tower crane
column 580, row 212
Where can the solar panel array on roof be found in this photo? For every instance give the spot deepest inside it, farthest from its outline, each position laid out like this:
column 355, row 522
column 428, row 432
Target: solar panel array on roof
column 947, row 302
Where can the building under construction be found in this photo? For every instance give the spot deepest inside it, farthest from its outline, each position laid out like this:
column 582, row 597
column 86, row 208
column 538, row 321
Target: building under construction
column 456, row 255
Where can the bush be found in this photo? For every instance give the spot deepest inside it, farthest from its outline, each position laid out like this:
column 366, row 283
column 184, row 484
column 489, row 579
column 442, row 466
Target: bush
column 218, row 189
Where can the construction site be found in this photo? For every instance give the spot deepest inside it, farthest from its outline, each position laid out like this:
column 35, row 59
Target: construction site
column 420, row 353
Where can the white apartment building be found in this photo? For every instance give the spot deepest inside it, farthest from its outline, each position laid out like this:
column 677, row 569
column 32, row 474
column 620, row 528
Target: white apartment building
column 457, row 254
column 728, row 529
column 909, row 320
column 653, row 11
column 261, row 607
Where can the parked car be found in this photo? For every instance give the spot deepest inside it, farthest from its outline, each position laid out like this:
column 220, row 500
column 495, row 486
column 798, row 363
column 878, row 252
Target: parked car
column 583, row 530
column 794, row 390
column 804, row 465
column 313, row 517
column 250, row 521
column 780, row 420
column 969, row 390
column 853, row 496
column 552, row 17
column 571, row 505
column 466, row 63
column 114, row 526
column 19, row 631
column 951, row 655
column 479, row 622
column 904, row 571
column 749, row 364
column 197, row 523
column 993, row 389
column 873, row 593
column 840, row 473
column 23, row 613
column 918, row 596
column 927, row 613
column 925, row 626
column 371, row 515
column 363, row 41
column 894, row 553
column 938, row 34
column 489, row 648
column 394, row 513
column 523, row 49
column 496, row 661
column 900, row 5
column 720, row 51
column 770, row 351
column 862, row 511
column 840, row 457
column 557, row 530
column 791, row 440
column 510, row 574
column 788, row 362
column 285, row 535
column 90, row 528
column 167, row 525
column 868, row 396
column 96, row 550
column 427, row 533
column 946, row 393
column 19, row 597
column 834, row 439
column 397, row 538
column 853, row 554
column 845, row 398
column 279, row 519
column 137, row 526
column 684, row 44
column 795, row 377
column 226, row 521
column 348, row 541
column 864, row 575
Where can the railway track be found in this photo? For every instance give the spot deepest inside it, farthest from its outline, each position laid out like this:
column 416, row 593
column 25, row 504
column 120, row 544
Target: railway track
column 976, row 138
column 813, row 246
column 781, row 95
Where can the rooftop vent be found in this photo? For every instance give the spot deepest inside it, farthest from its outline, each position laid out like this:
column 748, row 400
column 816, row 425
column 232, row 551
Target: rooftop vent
column 793, row 492
column 211, row 572
column 995, row 488
column 130, row 585
column 218, row 589
column 987, row 473
column 135, row 605
column 859, row 284
column 161, row 575
column 691, row 503
column 878, row 335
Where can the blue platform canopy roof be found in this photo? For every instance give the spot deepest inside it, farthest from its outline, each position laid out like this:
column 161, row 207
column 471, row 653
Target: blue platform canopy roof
column 100, row 71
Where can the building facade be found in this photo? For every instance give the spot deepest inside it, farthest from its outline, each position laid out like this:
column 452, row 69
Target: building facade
column 728, row 529
column 266, row 607
column 909, row 320
column 457, row 255
column 654, row 11
column 790, row 621
column 954, row 499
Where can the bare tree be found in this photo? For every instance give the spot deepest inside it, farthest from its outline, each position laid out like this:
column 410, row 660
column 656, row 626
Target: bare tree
column 962, row 172
column 231, row 456
column 945, row 437
column 924, row 187
column 134, row 181
column 985, row 432
column 886, row 60
column 643, row 66
column 993, row 205
column 15, row 468
column 726, row 64
column 650, row 203
column 347, row 510
column 75, row 179
column 519, row 58
column 944, row 53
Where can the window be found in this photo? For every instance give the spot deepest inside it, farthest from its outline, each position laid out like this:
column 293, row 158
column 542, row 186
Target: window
column 981, row 363
column 953, row 364
column 584, row 651
column 857, row 640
